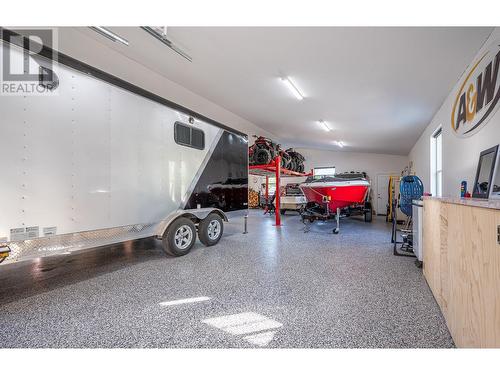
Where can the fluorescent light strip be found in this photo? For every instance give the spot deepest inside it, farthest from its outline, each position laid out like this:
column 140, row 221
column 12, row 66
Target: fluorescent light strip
column 109, row 34
column 162, row 38
column 184, row 301
column 288, row 83
column 324, row 125
column 339, row 143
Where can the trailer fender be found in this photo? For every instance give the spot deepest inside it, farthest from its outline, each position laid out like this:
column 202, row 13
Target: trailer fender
column 196, row 215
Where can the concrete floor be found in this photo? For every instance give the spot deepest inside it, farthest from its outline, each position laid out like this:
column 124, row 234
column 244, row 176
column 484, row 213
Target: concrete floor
column 273, row 287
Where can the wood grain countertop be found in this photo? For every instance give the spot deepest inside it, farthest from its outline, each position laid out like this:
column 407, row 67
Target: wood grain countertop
column 493, row 204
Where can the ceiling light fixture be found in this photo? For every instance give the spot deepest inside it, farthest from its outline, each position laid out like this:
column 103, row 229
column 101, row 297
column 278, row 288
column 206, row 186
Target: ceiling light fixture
column 109, row 34
column 161, row 35
column 288, row 83
column 339, row 143
column 324, row 125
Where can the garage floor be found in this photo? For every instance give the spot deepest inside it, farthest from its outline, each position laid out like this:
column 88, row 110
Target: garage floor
column 269, row 288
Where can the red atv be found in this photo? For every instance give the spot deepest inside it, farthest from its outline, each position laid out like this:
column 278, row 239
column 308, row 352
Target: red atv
column 264, row 151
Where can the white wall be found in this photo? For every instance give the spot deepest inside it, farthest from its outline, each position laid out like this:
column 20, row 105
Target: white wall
column 344, row 161
column 460, row 155
column 372, row 164
column 79, row 46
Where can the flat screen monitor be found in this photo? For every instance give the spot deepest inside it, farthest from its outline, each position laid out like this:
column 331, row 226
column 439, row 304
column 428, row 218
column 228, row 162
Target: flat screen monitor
column 484, row 174
column 495, row 187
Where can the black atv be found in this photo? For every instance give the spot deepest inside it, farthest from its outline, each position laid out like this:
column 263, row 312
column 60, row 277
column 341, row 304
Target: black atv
column 286, row 159
column 297, row 162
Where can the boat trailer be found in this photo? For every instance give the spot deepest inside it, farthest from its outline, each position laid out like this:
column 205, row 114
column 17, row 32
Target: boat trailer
column 314, row 211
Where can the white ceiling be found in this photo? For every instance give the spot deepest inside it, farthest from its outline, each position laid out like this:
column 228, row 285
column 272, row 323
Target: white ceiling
column 377, row 87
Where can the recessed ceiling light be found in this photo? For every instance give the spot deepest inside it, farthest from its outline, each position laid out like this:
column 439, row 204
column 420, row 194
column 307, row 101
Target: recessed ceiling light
column 288, row 83
column 109, row 34
column 325, row 126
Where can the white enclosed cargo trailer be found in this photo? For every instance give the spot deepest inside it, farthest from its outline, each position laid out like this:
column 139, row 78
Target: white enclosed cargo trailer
column 99, row 161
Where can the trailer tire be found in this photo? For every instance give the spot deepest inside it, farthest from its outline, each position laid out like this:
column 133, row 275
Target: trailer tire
column 179, row 237
column 210, row 229
column 368, row 213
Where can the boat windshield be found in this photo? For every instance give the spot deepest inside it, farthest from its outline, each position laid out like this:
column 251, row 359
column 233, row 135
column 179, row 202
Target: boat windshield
column 333, row 179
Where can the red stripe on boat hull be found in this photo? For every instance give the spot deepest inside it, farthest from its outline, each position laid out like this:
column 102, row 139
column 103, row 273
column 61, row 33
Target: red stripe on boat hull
column 340, row 196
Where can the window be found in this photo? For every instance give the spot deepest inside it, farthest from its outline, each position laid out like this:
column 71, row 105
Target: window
column 437, row 163
column 321, row 172
column 186, row 135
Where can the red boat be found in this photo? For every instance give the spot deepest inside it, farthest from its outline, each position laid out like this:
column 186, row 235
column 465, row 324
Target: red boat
column 327, row 195
column 336, row 192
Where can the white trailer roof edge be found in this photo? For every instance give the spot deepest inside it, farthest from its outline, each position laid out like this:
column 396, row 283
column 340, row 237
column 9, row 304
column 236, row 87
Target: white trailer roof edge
column 61, row 58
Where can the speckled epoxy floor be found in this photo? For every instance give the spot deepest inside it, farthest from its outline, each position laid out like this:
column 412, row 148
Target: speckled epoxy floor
column 274, row 287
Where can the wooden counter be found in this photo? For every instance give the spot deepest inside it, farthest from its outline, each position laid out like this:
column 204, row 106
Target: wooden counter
column 461, row 260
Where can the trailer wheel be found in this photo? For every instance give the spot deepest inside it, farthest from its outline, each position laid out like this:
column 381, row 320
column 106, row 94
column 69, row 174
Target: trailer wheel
column 210, row 229
column 180, row 237
column 368, row 213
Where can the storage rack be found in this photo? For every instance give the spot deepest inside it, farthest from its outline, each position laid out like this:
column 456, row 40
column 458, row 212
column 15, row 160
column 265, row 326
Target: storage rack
column 274, row 169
